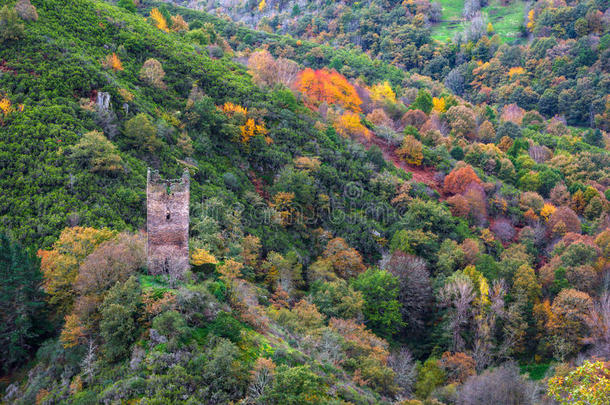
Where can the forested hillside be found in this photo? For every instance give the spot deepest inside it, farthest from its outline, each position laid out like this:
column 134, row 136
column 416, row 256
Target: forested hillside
column 376, row 216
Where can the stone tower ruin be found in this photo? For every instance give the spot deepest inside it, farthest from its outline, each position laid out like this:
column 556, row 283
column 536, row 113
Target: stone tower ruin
column 167, row 224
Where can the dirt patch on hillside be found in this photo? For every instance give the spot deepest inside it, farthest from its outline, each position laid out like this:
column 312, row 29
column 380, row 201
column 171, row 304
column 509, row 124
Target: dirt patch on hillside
column 420, row 174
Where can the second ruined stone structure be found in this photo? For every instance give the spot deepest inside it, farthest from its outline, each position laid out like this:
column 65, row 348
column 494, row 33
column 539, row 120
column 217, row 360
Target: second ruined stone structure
column 167, row 224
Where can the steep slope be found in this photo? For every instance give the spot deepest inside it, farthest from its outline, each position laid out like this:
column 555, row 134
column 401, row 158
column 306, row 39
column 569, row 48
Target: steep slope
column 56, row 71
column 320, row 270
column 68, row 159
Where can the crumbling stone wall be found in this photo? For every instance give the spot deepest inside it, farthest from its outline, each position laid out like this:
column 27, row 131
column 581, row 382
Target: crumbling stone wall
column 167, row 224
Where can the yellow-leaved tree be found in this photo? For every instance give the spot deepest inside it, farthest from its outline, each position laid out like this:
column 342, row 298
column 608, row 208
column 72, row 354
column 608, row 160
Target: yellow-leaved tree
column 514, row 71
column 5, row 109
column 411, row 151
column 231, row 109
column 439, row 104
column 113, row 62
column 383, row 92
column 531, row 20
column 60, row 265
column 251, row 129
column 547, row 210
column 160, row 21
column 349, row 124
column 201, row 257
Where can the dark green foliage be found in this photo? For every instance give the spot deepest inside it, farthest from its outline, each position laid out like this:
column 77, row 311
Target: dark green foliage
column 560, row 281
column 227, row 327
column 578, row 254
column 197, row 304
column 218, row 290
column 430, row 216
column 97, row 154
column 488, row 267
column 381, row 306
column 141, row 134
column 594, row 137
column 127, row 5
column 457, row 153
column 508, row 128
column 22, row 306
column 171, row 325
column 535, row 371
column 65, row 161
column 423, row 101
column 337, row 299
column 429, row 377
column 296, row 386
column 118, row 326
column 223, row 375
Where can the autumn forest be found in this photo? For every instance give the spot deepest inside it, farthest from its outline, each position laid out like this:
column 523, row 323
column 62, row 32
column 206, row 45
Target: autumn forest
column 388, row 202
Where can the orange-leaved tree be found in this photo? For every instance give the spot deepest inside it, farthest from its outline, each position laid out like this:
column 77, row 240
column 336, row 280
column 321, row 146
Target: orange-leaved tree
column 248, row 127
column 327, row 86
column 459, row 179
column 178, row 24
column 346, row 261
column 61, row 264
column 113, row 62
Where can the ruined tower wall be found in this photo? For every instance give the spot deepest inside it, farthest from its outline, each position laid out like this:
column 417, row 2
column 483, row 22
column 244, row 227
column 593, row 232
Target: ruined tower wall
column 167, row 224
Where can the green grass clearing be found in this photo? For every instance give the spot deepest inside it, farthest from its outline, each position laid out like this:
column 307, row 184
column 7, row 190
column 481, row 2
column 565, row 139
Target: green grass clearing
column 452, row 9
column 535, row 371
column 506, row 20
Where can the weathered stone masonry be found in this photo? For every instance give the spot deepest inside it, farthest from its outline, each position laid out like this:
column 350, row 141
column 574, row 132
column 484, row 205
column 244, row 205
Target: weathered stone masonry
column 167, row 224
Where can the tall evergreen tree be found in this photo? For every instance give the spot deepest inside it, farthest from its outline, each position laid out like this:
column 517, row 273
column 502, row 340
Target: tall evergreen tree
column 22, row 305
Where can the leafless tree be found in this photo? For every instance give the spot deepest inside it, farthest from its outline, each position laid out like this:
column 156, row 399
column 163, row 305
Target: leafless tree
column 287, row 71
column 457, row 295
column 500, row 386
column 269, row 71
column 484, row 345
column 475, row 30
column 26, row 10
column 88, row 365
column 329, row 347
column 471, row 8
column 261, row 378
column 415, row 293
column 599, row 324
column 503, row 229
column 436, row 12
column 403, row 364
column 540, row 154
column 107, row 120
